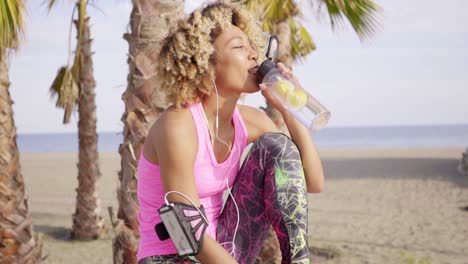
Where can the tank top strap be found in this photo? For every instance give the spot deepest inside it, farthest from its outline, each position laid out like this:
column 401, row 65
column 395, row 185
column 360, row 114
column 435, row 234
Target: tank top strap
column 200, row 124
column 242, row 135
column 204, row 143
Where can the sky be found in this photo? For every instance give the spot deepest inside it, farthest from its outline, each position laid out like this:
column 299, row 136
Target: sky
column 412, row 71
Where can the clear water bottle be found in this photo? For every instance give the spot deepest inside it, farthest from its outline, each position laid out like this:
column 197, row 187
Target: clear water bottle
column 305, row 108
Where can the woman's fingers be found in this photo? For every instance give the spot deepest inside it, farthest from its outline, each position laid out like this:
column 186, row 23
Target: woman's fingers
column 282, row 68
column 271, row 98
column 285, row 71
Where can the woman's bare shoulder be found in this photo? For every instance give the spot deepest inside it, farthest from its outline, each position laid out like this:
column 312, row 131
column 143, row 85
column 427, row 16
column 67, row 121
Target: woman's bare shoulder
column 174, row 127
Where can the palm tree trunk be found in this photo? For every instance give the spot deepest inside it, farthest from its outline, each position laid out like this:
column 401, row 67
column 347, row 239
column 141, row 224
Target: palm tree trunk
column 270, row 252
column 149, row 24
column 87, row 220
column 463, row 165
column 18, row 241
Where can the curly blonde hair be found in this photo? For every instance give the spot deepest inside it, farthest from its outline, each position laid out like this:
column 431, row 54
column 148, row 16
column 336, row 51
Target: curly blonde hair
column 187, row 58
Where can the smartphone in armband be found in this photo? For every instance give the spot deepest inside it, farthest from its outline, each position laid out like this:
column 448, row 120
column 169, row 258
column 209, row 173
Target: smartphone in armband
column 178, row 228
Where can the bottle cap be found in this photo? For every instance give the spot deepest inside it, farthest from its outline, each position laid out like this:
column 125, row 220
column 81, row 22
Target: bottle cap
column 263, row 69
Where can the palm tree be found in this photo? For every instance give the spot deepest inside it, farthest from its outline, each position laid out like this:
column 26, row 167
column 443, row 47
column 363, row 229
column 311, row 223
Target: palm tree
column 75, row 86
column 281, row 17
column 150, row 21
column 18, row 241
column 463, row 165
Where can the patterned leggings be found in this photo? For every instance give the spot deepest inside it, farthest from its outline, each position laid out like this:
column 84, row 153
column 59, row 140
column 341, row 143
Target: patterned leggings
column 269, row 190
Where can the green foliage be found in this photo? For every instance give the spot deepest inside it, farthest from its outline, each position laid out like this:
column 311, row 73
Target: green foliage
column 11, row 23
column 361, row 14
column 51, row 4
column 272, row 12
column 301, row 41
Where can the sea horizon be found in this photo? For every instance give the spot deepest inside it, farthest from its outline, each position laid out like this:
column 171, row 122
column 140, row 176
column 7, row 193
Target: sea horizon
column 328, row 137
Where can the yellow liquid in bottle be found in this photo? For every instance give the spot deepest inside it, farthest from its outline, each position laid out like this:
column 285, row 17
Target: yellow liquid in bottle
column 294, row 99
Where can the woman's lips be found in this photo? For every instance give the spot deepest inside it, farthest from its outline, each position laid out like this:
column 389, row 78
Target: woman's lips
column 253, row 70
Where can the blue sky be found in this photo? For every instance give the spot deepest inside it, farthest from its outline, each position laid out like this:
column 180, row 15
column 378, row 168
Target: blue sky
column 413, row 71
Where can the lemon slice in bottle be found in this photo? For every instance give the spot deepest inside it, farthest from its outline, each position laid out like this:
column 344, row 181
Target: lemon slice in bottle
column 296, row 100
column 282, row 88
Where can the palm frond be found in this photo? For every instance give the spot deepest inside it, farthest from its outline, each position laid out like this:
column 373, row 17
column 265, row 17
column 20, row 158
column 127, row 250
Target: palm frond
column 65, row 85
column 280, row 10
column 271, row 12
column 11, row 23
column 65, row 88
column 307, row 44
column 50, row 4
column 361, row 14
column 301, row 40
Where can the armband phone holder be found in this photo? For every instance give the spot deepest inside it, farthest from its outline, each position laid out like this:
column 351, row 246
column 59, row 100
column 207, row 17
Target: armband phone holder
column 177, row 219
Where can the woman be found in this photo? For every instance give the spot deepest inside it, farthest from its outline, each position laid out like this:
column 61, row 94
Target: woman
column 195, row 146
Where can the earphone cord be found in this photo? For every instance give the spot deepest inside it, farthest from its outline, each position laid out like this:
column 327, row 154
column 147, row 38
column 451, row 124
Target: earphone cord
column 227, row 175
column 230, row 169
column 190, row 200
column 217, row 120
column 235, row 204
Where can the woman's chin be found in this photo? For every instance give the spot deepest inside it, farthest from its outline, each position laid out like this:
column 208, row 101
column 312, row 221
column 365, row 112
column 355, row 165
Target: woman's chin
column 253, row 82
column 253, row 87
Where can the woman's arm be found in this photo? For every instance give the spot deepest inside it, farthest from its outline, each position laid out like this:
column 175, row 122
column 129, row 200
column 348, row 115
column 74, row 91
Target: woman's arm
column 311, row 162
column 176, row 141
column 258, row 123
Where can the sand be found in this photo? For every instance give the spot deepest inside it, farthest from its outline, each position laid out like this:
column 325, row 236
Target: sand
column 378, row 206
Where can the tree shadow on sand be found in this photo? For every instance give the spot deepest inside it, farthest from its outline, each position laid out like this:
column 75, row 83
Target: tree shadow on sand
column 395, row 168
column 55, row 232
column 322, row 254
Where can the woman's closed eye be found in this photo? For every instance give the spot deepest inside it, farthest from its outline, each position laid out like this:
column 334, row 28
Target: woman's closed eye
column 239, row 47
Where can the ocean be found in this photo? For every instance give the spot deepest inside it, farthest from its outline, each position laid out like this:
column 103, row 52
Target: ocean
column 333, row 137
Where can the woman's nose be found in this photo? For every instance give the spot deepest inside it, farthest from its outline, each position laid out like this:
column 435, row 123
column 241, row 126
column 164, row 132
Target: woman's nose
column 253, row 54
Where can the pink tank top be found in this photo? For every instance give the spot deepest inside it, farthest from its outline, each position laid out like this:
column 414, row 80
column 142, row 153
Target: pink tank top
column 210, row 182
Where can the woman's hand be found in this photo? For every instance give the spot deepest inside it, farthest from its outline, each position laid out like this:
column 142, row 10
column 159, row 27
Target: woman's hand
column 271, row 99
column 287, row 73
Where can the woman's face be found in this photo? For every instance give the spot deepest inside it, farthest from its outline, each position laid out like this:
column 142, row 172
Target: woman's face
column 234, row 58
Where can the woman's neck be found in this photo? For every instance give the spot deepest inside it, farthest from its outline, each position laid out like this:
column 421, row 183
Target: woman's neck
column 226, row 106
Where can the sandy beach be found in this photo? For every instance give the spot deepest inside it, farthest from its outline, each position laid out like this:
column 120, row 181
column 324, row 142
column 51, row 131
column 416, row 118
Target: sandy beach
column 379, row 206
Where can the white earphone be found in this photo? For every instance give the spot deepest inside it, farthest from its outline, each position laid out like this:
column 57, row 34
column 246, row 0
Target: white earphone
column 230, row 169
column 226, row 177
